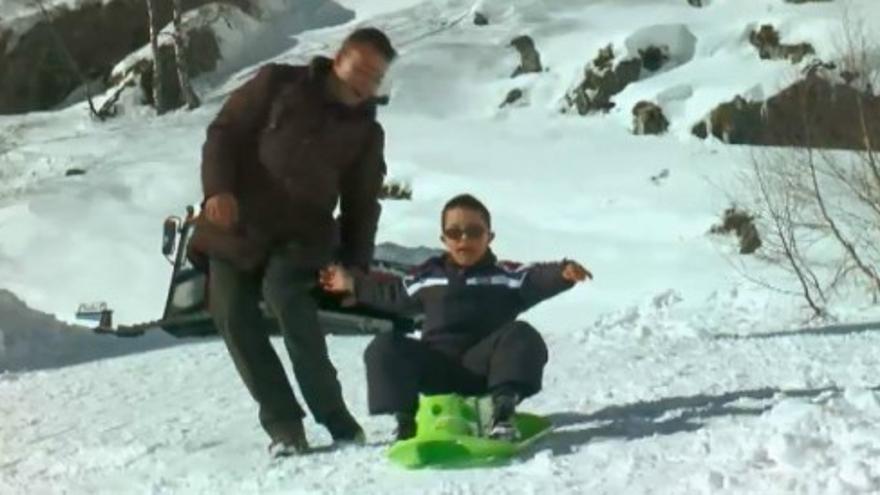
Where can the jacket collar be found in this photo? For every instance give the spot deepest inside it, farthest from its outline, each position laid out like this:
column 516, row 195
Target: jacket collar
column 489, row 259
column 319, row 69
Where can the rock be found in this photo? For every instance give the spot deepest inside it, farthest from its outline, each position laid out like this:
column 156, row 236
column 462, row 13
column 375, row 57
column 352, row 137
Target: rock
column 662, row 45
column 601, row 82
column 698, row 3
column 74, row 171
column 36, row 72
column 821, row 112
column 480, row 19
column 648, row 49
column 737, row 221
column 203, row 55
column 604, row 59
column 736, row 122
column 700, row 129
column 102, row 34
column 530, row 59
column 766, row 40
column 654, row 57
column 817, row 111
column 648, row 118
column 512, row 96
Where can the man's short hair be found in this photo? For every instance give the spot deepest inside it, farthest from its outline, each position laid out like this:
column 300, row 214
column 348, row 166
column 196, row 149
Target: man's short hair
column 375, row 38
column 468, row 202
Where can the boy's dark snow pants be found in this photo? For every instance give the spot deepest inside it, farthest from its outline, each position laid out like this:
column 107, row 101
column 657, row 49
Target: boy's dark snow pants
column 399, row 368
column 234, row 304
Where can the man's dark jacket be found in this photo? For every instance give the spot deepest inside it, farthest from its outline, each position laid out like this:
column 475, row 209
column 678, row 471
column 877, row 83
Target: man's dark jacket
column 289, row 154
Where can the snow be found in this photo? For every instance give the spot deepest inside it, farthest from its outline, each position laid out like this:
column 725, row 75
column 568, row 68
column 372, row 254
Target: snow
column 669, row 373
column 245, row 40
column 30, row 340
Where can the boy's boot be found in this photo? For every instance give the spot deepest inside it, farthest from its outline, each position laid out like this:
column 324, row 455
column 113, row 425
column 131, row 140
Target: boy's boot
column 504, row 400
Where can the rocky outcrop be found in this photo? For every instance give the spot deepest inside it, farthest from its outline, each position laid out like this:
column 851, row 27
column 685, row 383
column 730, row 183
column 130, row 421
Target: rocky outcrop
column 648, row 51
column 36, row 74
column 602, row 80
column 822, row 110
column 766, row 40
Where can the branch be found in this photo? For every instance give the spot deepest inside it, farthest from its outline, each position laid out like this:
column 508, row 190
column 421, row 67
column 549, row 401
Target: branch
column 835, row 229
column 779, row 231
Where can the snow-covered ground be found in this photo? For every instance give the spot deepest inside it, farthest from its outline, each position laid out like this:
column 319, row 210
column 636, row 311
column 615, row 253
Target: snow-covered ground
column 669, row 373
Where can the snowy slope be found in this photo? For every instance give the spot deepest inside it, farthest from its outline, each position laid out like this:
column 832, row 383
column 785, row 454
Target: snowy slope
column 668, row 372
column 635, row 416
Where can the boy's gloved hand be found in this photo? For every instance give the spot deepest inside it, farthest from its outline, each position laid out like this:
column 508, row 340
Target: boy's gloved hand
column 575, row 272
column 336, row 280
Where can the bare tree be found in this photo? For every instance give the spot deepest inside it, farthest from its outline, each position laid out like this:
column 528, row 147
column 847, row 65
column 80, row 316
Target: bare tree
column 181, row 43
column 821, row 208
column 789, row 236
column 160, row 100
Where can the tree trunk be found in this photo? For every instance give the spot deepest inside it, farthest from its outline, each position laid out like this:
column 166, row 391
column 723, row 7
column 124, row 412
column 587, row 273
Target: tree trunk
column 70, row 60
column 181, row 43
column 159, row 100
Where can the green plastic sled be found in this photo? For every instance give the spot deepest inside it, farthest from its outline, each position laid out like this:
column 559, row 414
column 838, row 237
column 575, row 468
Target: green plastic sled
column 451, row 433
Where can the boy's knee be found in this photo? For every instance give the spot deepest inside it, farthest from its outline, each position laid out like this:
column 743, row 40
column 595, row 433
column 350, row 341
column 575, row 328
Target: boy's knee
column 380, row 349
column 528, row 337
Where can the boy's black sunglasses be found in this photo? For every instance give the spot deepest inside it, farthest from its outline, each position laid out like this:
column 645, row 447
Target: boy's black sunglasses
column 471, row 231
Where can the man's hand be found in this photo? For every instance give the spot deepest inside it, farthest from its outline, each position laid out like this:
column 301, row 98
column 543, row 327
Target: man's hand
column 574, row 272
column 222, row 209
column 336, row 280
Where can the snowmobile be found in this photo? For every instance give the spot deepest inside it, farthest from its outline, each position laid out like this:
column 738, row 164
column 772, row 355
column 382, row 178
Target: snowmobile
column 186, row 306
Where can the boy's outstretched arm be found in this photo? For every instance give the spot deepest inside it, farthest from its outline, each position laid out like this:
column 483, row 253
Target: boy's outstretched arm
column 545, row 280
column 384, row 293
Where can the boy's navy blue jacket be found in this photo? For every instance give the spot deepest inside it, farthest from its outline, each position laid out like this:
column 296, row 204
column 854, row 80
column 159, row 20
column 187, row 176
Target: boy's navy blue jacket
column 462, row 306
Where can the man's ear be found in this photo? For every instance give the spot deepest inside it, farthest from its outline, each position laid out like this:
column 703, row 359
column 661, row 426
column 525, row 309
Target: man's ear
column 491, row 236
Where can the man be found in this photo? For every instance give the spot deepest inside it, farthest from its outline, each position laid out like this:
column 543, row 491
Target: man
column 285, row 148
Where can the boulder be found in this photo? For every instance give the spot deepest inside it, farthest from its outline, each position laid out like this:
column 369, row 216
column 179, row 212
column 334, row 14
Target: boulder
column 37, row 74
column 530, row 59
column 766, row 40
column 741, row 223
column 825, row 109
column 648, row 118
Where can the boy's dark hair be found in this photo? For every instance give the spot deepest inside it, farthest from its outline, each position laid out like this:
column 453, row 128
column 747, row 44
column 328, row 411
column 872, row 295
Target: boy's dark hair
column 467, row 202
column 375, row 38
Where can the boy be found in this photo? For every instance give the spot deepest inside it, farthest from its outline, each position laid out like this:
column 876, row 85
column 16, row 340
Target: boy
column 471, row 341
